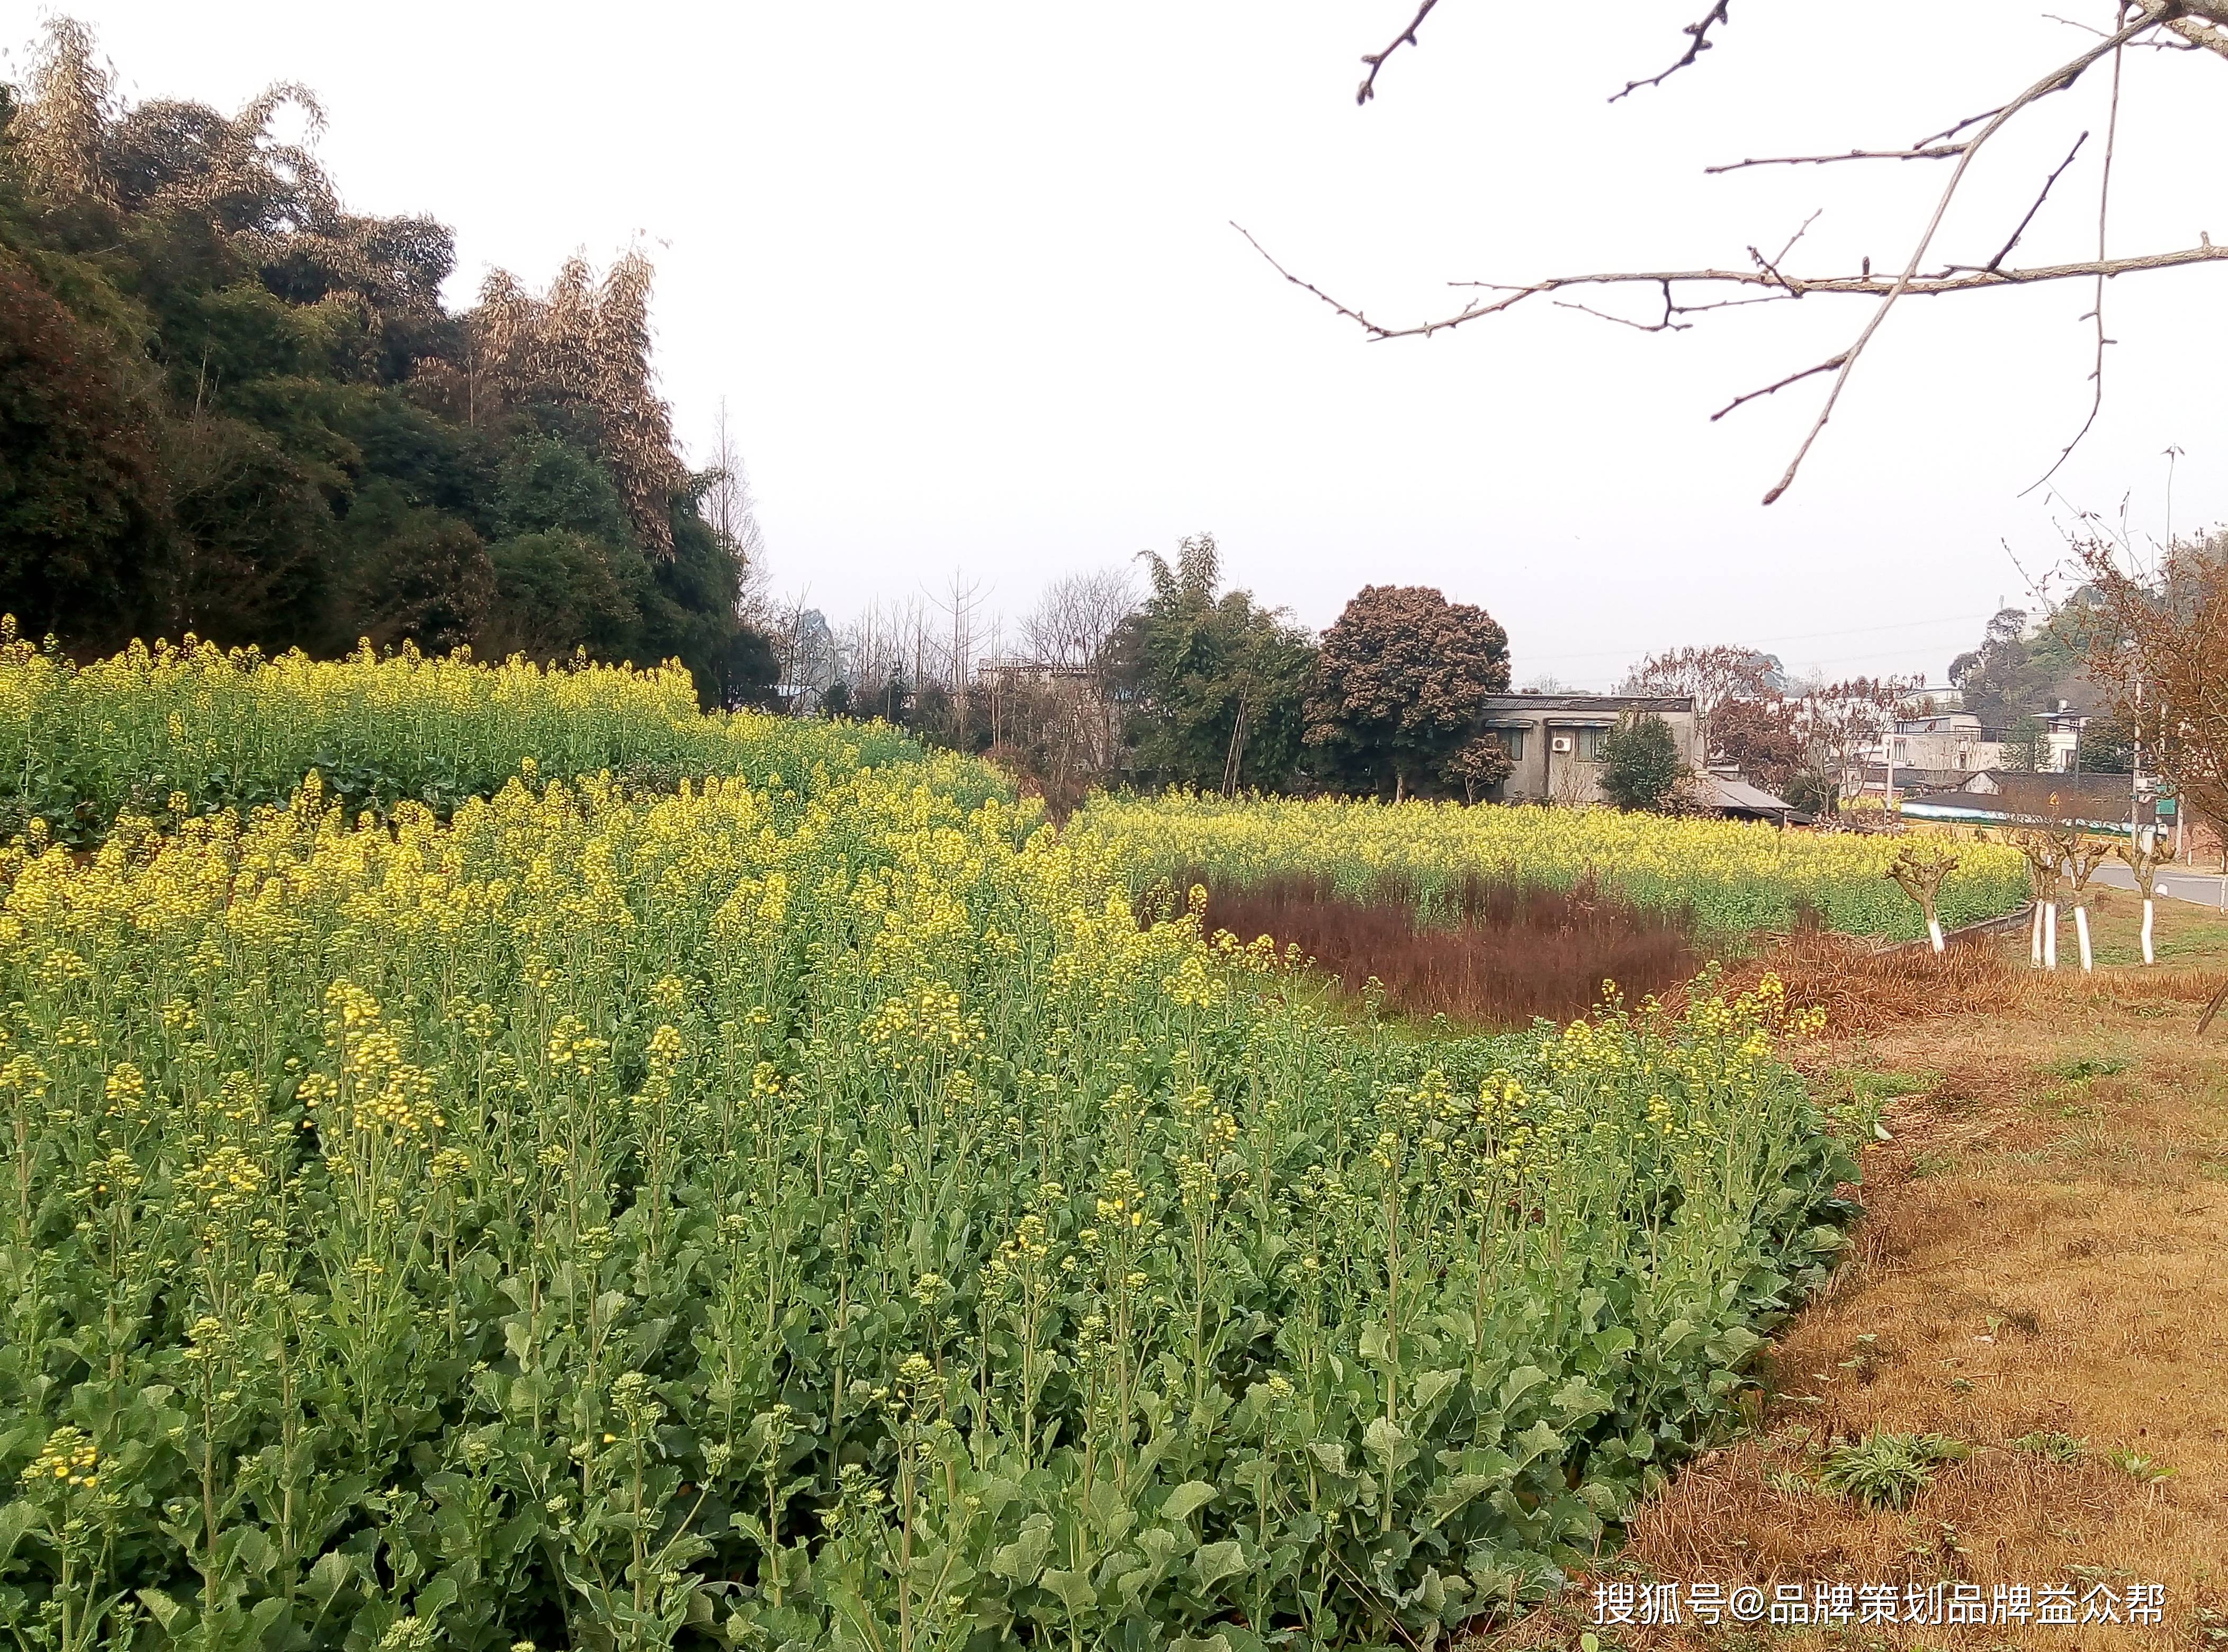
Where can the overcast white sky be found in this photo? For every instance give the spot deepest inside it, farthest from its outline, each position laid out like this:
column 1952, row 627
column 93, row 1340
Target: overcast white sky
column 964, row 276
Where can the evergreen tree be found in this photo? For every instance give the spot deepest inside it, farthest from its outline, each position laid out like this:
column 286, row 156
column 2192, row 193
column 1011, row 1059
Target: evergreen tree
column 1398, row 689
column 1640, row 766
column 1214, row 682
column 230, row 406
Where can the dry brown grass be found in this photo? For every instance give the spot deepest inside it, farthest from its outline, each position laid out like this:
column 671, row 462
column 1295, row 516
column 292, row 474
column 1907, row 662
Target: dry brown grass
column 1505, row 953
column 1862, row 988
column 2042, row 1251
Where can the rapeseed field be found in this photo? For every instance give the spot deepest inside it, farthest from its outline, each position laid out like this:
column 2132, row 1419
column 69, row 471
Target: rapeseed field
column 1734, row 877
column 804, row 1206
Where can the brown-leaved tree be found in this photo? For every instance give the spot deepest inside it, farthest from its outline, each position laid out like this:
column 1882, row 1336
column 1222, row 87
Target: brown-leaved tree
column 1398, row 686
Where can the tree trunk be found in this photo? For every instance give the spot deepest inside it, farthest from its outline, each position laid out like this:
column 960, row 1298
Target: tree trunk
column 2149, row 957
column 2034, row 937
column 2081, row 928
column 2050, row 936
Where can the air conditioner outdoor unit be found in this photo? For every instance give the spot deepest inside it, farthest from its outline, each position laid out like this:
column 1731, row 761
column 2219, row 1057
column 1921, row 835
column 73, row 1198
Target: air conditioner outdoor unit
column 1560, row 743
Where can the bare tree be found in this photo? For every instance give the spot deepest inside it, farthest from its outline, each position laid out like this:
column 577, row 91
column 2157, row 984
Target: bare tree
column 1711, row 676
column 1766, row 277
column 731, row 511
column 875, row 658
column 961, row 604
column 1838, row 722
column 1075, row 730
column 1074, row 621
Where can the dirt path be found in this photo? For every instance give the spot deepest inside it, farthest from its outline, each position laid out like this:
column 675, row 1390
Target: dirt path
column 2041, row 1279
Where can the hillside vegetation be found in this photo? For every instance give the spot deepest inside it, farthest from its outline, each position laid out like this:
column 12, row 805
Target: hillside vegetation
column 231, row 406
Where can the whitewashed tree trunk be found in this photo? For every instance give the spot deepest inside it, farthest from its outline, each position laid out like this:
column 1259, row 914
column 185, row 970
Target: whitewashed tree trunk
column 2081, row 928
column 2034, row 937
column 1934, row 932
column 2050, row 936
column 2149, row 957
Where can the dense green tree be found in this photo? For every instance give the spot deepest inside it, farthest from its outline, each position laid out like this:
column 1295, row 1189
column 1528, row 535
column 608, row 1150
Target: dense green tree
column 2108, row 744
column 2014, row 674
column 230, row 406
column 1214, row 682
column 1398, row 689
column 1640, row 766
column 81, row 488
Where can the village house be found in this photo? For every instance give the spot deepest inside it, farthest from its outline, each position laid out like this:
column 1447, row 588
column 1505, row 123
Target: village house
column 1555, row 740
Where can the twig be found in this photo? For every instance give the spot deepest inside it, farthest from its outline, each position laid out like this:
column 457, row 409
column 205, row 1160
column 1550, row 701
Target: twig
column 1698, row 41
column 2097, row 309
column 1376, row 60
column 1996, row 263
column 1924, row 152
column 1667, row 325
column 2154, row 45
column 2058, row 80
column 1769, row 389
column 1770, row 265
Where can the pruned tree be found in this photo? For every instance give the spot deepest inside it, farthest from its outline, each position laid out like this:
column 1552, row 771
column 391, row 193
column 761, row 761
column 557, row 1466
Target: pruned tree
column 1678, row 296
column 1400, row 683
column 2046, row 871
column 2148, row 849
column 1919, row 869
column 2080, row 853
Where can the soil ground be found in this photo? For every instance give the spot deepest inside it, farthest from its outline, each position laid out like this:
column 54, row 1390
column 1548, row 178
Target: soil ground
column 2038, row 1277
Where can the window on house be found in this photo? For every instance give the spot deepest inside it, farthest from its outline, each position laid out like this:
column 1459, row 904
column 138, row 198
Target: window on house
column 1903, row 751
column 1587, row 747
column 1512, row 739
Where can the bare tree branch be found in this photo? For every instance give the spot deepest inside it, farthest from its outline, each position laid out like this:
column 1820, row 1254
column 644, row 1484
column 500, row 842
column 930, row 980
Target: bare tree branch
column 2057, row 80
column 1698, row 41
column 1784, row 286
column 1924, row 153
column 2201, row 22
column 1997, row 262
column 1827, row 365
column 2196, row 24
column 2097, row 309
column 1375, row 61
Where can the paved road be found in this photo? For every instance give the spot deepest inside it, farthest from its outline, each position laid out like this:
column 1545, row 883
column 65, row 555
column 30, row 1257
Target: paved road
column 2204, row 887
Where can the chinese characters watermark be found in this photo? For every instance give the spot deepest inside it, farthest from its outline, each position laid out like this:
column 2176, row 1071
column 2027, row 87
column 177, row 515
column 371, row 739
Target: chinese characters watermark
column 1826, row 1604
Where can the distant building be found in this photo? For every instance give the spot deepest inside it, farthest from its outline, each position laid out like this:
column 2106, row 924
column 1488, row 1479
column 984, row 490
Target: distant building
column 2010, row 798
column 1725, row 791
column 1951, row 741
column 1555, row 740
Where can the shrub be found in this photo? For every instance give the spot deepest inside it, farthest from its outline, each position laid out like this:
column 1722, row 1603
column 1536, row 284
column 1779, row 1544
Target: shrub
column 1640, row 766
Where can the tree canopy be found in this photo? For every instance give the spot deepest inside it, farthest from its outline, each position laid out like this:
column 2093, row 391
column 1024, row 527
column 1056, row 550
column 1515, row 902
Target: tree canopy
column 1213, row 680
column 1398, row 687
column 229, row 405
column 1640, row 766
